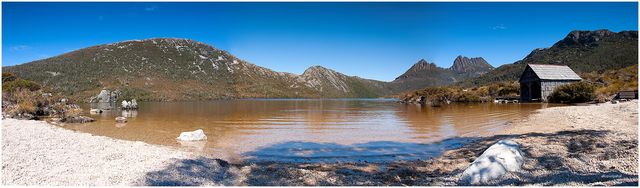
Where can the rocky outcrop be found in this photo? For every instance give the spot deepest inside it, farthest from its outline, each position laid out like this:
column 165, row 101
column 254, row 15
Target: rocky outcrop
column 475, row 65
column 105, row 96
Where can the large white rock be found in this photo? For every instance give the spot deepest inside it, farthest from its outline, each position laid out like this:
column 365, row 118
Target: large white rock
column 121, row 119
column 192, row 136
column 502, row 157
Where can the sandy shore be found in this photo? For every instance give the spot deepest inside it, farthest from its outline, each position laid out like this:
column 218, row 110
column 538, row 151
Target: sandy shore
column 573, row 145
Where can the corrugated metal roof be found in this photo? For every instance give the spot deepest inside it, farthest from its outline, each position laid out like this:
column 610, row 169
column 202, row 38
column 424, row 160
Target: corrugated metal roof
column 554, row 72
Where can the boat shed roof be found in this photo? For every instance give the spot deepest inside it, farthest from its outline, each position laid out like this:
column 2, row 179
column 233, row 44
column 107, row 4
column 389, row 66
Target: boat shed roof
column 554, row 72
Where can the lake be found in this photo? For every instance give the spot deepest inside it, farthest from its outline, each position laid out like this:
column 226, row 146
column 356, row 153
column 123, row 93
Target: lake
column 309, row 129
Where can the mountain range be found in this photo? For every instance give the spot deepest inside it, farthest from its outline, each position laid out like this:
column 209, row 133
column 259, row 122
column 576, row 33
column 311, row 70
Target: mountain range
column 171, row 69
column 424, row 74
column 583, row 51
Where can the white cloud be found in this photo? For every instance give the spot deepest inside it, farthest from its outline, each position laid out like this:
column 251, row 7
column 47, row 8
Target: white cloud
column 499, row 27
column 20, row 48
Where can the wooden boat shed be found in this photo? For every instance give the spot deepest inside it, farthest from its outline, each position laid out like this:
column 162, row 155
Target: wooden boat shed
column 538, row 81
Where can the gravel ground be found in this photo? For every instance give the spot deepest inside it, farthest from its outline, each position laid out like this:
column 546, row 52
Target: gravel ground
column 573, row 145
column 36, row 153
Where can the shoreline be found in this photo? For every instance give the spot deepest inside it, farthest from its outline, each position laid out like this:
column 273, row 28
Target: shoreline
column 567, row 145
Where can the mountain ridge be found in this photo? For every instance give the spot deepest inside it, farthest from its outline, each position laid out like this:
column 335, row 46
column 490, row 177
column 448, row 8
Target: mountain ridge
column 474, row 65
column 178, row 69
column 583, row 51
column 170, row 69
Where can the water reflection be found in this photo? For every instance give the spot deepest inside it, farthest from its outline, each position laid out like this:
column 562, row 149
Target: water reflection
column 238, row 127
column 129, row 113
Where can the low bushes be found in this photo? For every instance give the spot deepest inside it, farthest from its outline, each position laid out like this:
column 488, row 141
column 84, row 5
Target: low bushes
column 439, row 95
column 24, row 99
column 11, row 82
column 577, row 92
column 611, row 82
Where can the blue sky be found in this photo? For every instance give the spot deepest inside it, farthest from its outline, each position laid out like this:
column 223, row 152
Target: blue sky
column 371, row 40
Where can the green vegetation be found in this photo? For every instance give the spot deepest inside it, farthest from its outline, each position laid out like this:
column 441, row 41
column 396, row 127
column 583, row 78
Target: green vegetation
column 129, row 93
column 438, row 95
column 577, row 92
column 611, row 82
column 11, row 83
column 26, row 99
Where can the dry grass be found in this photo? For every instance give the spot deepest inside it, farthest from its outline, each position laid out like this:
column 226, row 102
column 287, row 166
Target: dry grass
column 611, row 82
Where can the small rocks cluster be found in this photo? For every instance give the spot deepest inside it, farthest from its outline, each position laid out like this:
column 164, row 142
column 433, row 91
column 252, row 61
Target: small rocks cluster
column 129, row 105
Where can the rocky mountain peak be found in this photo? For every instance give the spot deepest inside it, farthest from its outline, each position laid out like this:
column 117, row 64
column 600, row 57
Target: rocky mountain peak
column 422, row 65
column 591, row 38
column 470, row 65
column 317, row 69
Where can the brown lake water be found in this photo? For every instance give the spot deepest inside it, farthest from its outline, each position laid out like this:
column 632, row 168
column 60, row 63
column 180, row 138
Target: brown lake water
column 309, row 130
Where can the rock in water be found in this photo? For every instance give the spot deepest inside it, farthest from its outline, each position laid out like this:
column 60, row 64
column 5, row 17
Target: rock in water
column 121, row 119
column 129, row 104
column 95, row 111
column 78, row 119
column 502, row 157
column 192, row 136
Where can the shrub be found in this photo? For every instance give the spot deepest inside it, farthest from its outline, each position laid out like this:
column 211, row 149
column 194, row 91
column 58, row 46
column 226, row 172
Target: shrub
column 18, row 83
column 129, row 93
column 468, row 97
column 26, row 101
column 504, row 89
column 8, row 77
column 573, row 93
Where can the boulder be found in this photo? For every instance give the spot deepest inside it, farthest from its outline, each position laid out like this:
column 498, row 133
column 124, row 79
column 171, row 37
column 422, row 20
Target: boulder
column 105, row 96
column 192, row 136
column 502, row 157
column 121, row 119
column 95, row 111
